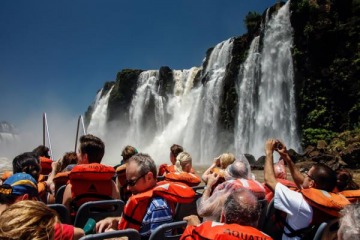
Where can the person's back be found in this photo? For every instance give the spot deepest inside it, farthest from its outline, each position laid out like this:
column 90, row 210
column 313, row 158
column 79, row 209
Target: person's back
column 183, row 171
column 89, row 176
column 175, row 149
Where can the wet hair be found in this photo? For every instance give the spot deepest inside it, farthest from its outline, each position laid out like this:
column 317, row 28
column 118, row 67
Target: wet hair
column 182, row 160
column 324, row 177
column 176, row 149
column 93, row 146
column 27, row 162
column 42, row 151
column 345, row 180
column 128, row 151
column 350, row 222
column 28, row 220
column 145, row 162
column 242, row 207
column 67, row 159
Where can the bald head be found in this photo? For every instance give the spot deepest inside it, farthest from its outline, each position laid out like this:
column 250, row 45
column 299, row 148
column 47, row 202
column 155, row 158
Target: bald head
column 242, row 207
column 237, row 169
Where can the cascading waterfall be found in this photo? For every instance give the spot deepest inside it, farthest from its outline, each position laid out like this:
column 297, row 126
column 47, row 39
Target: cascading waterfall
column 139, row 131
column 249, row 75
column 189, row 116
column 97, row 125
column 212, row 95
column 274, row 114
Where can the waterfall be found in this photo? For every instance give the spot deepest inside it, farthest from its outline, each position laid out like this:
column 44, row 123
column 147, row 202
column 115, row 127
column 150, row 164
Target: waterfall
column 189, row 114
column 272, row 114
column 212, row 95
column 97, row 125
column 247, row 84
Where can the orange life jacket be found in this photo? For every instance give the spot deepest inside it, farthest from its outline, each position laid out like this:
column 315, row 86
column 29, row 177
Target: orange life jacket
column 269, row 195
column 188, row 178
column 328, row 202
column 326, row 206
column 165, row 169
column 214, row 230
column 60, row 179
column 253, row 185
column 136, row 206
column 45, row 165
column 351, row 195
column 6, row 175
column 90, row 182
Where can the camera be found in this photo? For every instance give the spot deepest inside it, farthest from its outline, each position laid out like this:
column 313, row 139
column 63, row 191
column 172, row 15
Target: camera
column 278, row 145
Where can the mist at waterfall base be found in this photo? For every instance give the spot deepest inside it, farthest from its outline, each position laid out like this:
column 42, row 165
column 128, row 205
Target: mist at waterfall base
column 189, row 116
column 62, row 128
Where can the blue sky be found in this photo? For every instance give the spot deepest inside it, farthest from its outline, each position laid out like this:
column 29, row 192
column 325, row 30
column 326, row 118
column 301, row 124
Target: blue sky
column 57, row 54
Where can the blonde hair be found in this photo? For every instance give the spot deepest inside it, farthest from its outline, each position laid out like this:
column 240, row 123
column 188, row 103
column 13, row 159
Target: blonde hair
column 182, row 160
column 226, row 159
column 28, row 220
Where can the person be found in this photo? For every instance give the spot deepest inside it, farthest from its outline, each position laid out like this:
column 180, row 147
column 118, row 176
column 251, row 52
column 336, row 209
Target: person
column 141, row 179
column 281, row 176
column 59, row 174
column 126, row 153
column 19, row 186
column 89, row 176
column 237, row 175
column 345, row 181
column 349, row 223
column 175, row 149
column 219, row 165
column 300, row 206
column 28, row 220
column 239, row 219
column 34, row 220
column 182, row 173
column 45, row 160
column 29, row 162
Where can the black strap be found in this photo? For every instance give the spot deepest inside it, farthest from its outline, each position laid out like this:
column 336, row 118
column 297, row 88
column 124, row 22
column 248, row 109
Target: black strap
column 302, row 232
column 131, row 220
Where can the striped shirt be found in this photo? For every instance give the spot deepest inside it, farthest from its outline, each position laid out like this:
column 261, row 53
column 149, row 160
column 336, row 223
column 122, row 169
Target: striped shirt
column 158, row 212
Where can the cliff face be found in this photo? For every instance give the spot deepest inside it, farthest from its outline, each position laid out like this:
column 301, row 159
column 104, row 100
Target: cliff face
column 326, row 56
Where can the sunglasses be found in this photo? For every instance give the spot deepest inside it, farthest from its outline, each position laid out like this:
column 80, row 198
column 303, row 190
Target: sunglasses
column 132, row 183
column 306, row 173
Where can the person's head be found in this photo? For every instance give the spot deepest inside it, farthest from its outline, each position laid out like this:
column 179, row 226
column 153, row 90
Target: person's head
column 91, row 149
column 69, row 158
column 27, row 162
column 345, row 180
column 280, row 170
column 183, row 162
column 238, row 169
column 174, row 151
column 226, row 159
column 42, row 151
column 140, row 173
column 320, row 176
column 349, row 222
column 241, row 207
column 28, row 220
column 18, row 187
column 127, row 152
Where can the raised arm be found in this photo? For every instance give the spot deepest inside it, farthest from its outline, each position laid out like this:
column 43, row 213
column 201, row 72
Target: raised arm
column 269, row 174
column 295, row 173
